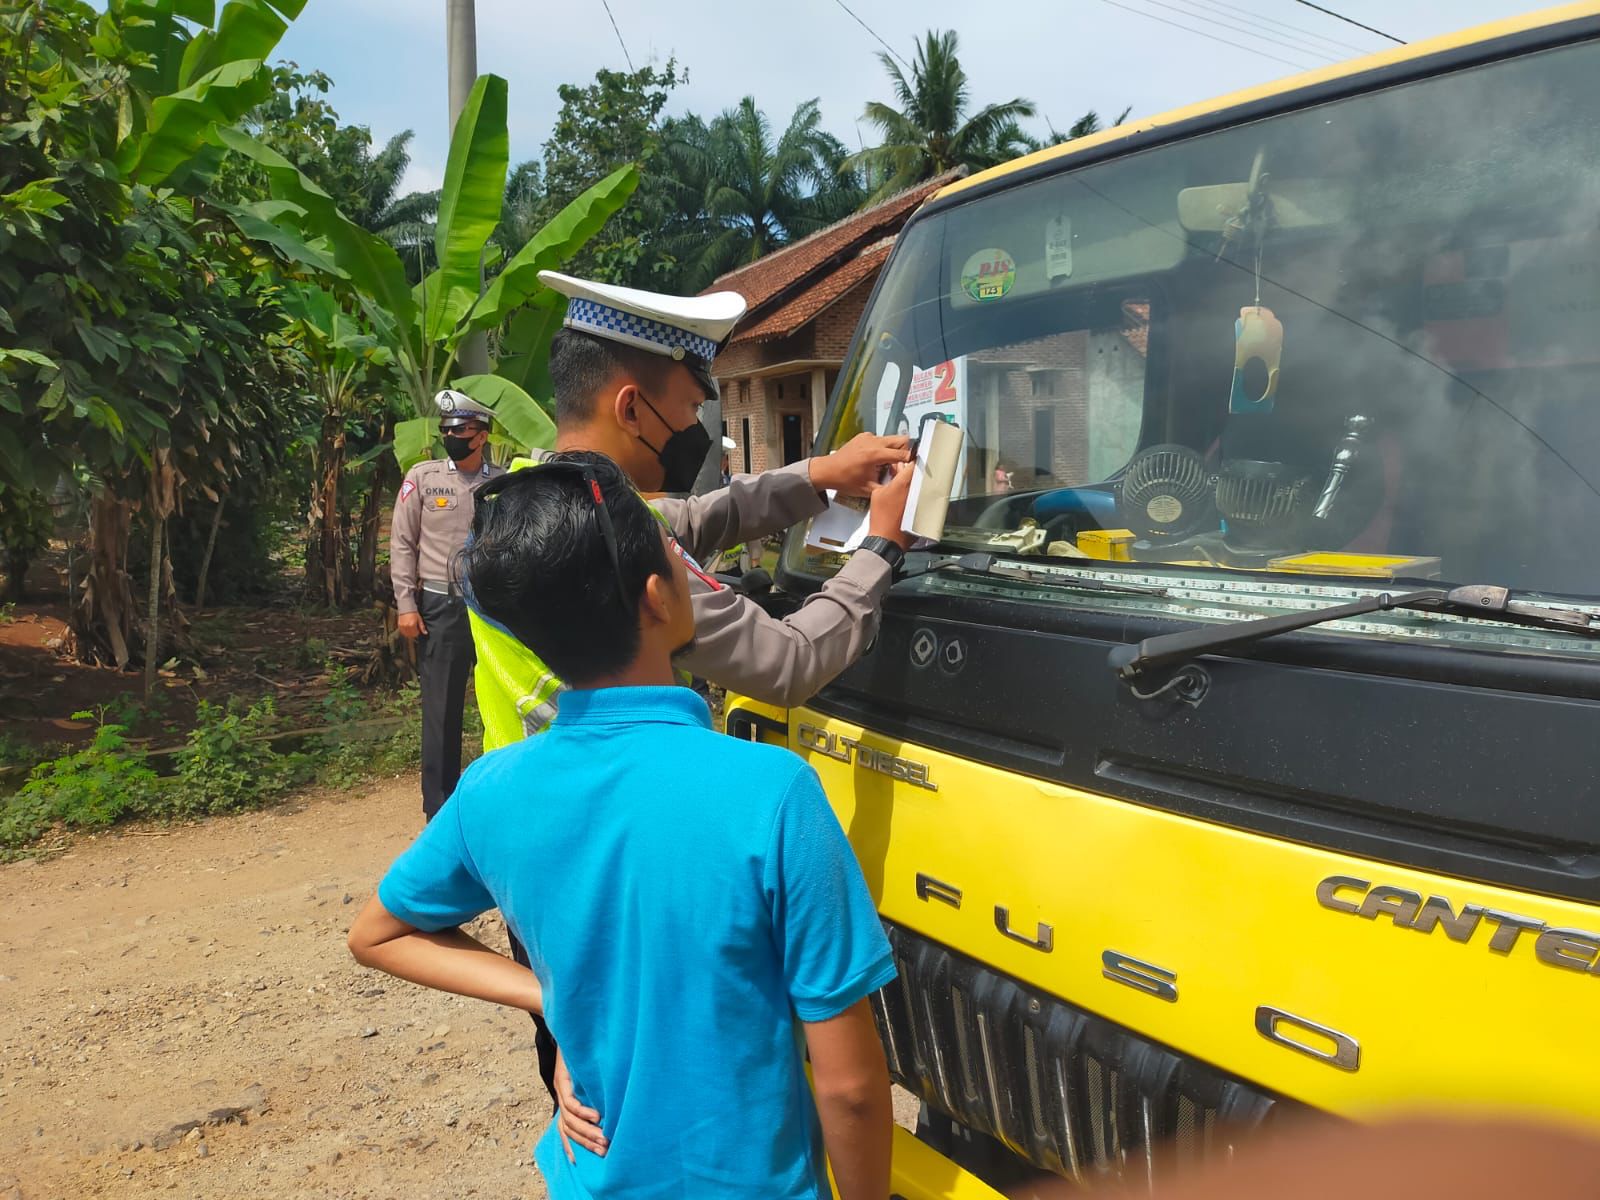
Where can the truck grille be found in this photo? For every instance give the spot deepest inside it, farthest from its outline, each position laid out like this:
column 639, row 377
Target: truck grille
column 1065, row 1089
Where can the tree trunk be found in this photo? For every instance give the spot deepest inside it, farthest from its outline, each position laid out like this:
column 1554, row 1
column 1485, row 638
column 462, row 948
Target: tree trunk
column 380, row 486
column 102, row 616
column 152, row 635
column 325, row 576
column 205, row 559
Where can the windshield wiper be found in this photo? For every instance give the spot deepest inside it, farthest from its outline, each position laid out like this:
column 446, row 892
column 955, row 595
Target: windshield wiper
column 1475, row 600
column 1004, row 568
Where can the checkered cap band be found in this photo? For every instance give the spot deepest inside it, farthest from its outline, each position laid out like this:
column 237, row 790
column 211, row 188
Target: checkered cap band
column 622, row 326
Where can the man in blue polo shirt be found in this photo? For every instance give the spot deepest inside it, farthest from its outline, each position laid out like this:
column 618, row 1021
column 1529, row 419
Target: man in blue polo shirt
column 699, row 932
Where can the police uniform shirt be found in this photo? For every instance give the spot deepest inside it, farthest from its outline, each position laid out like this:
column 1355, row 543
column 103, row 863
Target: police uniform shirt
column 738, row 644
column 432, row 518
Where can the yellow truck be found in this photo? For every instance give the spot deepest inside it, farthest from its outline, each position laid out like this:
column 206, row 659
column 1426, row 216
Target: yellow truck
column 1235, row 750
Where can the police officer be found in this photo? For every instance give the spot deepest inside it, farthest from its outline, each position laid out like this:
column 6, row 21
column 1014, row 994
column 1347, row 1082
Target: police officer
column 432, row 518
column 630, row 369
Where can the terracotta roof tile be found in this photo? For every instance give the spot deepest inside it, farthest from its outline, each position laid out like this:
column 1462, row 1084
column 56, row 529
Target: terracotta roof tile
column 765, row 280
column 796, row 311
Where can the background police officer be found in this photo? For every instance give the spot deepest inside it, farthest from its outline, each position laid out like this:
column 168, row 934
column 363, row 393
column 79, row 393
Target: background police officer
column 432, row 518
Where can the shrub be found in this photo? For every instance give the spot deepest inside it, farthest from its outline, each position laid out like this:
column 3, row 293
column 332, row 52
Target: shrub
column 91, row 787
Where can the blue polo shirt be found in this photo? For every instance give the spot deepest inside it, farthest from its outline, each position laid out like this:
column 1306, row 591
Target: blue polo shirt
column 684, row 897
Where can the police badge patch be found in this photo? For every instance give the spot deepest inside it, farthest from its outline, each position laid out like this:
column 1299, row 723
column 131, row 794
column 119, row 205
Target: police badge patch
column 406, row 489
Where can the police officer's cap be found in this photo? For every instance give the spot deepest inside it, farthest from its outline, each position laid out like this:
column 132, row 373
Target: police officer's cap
column 458, row 408
column 687, row 329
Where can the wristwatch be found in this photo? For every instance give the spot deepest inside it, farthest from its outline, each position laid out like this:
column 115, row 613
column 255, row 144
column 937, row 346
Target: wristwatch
column 889, row 551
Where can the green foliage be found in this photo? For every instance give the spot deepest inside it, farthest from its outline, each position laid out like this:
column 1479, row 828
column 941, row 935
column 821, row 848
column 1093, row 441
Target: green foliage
column 933, row 130
column 757, row 191
column 226, row 763
column 25, row 526
column 605, row 125
column 425, row 331
column 91, row 787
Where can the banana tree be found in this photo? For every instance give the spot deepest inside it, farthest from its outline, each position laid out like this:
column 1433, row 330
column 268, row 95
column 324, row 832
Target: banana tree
column 343, row 358
column 426, row 326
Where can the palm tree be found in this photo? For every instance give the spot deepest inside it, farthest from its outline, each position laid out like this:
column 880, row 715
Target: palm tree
column 756, row 193
column 524, row 211
column 1082, row 127
column 930, row 132
column 367, row 187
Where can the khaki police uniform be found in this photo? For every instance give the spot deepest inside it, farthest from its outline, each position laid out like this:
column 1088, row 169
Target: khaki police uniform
column 432, row 518
column 737, row 644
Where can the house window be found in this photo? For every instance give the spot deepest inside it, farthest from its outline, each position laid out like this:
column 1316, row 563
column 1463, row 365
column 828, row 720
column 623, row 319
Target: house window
column 744, row 394
column 744, row 441
column 1044, row 441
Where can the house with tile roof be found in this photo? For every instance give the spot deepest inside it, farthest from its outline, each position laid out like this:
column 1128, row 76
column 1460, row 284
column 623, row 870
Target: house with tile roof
column 778, row 368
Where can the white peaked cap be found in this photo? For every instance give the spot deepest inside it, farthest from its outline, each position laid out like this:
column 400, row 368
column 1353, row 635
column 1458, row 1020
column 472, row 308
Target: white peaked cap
column 669, row 325
column 729, row 444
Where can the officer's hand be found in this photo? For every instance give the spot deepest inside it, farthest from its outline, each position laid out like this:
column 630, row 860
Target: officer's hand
column 574, row 1121
column 411, row 625
column 888, row 508
column 853, row 469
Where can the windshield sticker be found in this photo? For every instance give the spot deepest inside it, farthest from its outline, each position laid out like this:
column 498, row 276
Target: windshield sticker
column 1058, row 249
column 989, row 274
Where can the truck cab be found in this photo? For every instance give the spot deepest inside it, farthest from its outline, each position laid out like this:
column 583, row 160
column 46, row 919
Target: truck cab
column 1296, row 350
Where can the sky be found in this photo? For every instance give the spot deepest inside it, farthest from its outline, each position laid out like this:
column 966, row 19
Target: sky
column 387, row 57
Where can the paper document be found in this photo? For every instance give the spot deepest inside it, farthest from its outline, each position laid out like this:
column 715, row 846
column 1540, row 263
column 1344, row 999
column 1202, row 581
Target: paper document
column 938, row 454
column 840, row 527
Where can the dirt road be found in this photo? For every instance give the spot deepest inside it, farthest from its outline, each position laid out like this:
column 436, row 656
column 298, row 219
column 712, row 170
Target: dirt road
column 151, row 981
column 179, row 1017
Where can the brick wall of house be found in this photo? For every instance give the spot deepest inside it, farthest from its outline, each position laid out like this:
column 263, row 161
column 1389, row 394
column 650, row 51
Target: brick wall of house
column 836, row 324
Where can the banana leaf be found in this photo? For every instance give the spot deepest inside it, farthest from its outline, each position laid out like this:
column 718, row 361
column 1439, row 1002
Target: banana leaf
column 247, row 29
column 524, row 357
column 564, row 236
column 470, row 202
column 180, row 124
column 369, row 262
column 516, row 413
column 413, row 441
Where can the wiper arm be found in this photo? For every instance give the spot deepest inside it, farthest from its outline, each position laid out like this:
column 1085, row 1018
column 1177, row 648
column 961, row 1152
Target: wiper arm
column 992, row 564
column 1475, row 600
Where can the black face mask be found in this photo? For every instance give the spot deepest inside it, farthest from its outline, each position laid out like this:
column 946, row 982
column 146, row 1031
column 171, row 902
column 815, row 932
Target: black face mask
column 683, row 454
column 457, row 447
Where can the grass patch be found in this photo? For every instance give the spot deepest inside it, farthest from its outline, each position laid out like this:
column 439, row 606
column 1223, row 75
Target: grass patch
column 238, row 756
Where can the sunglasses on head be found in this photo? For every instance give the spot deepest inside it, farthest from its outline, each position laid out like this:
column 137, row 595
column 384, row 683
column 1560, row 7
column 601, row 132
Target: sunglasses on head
column 591, row 486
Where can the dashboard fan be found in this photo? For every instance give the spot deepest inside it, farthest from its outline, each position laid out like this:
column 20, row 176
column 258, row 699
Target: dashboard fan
column 1166, row 493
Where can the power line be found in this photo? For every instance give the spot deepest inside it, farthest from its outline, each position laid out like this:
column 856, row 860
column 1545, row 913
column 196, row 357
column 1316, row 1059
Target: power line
column 1213, row 37
column 1284, row 25
column 1296, row 45
column 873, row 32
column 626, row 56
column 1351, row 21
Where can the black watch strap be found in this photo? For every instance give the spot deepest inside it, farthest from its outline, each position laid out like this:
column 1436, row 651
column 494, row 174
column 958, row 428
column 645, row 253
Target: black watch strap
column 889, row 551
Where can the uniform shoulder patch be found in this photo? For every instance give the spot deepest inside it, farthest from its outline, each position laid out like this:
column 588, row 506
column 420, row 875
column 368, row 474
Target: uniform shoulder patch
column 695, row 569
column 406, row 489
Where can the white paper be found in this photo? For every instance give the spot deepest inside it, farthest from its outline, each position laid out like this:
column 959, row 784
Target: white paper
column 839, row 528
column 918, row 475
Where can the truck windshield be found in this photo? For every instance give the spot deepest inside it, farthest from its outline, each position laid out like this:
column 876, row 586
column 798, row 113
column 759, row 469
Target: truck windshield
column 1328, row 350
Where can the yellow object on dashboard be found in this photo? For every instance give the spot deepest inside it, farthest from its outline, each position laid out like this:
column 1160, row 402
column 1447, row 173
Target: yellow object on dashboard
column 1366, row 566
column 1111, row 545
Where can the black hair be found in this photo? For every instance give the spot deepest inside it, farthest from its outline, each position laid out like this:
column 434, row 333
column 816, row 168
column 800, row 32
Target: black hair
column 537, row 564
column 581, row 364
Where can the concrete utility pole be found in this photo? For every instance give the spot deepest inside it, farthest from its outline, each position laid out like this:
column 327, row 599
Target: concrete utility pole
column 461, row 31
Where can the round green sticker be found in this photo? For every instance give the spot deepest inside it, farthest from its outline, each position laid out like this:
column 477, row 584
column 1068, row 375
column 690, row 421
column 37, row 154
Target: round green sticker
column 988, row 274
